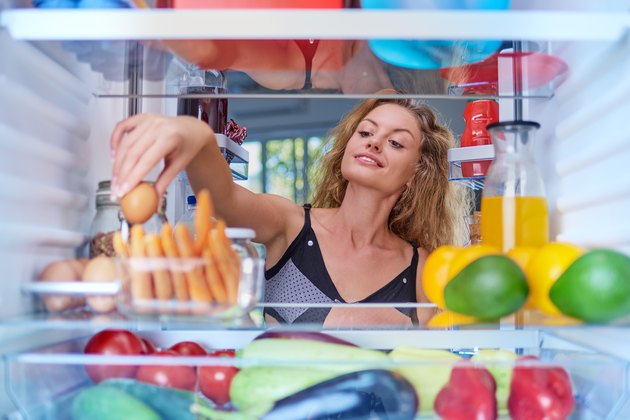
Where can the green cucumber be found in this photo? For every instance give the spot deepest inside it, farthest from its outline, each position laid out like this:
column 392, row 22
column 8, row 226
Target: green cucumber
column 255, row 390
column 169, row 403
column 108, row 403
column 274, row 368
column 288, row 352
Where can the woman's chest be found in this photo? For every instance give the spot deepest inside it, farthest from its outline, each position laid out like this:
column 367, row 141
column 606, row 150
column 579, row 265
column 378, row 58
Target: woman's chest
column 359, row 273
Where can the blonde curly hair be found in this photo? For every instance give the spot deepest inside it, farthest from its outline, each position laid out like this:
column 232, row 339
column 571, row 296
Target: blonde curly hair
column 431, row 211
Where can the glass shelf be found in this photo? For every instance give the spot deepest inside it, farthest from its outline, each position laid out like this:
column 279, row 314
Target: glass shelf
column 358, row 318
column 346, row 58
column 592, row 20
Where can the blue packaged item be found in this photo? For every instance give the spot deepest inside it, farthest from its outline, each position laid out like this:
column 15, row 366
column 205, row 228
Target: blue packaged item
column 55, row 4
column 103, row 4
column 433, row 54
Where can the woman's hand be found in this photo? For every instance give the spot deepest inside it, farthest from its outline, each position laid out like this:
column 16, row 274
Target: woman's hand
column 140, row 142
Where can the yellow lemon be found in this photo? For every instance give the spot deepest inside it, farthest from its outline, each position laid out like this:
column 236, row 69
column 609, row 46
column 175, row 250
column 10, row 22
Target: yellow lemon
column 449, row 319
column 468, row 255
column 544, row 268
column 522, row 255
column 435, row 272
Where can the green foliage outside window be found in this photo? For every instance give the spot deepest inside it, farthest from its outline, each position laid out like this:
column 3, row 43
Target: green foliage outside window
column 283, row 167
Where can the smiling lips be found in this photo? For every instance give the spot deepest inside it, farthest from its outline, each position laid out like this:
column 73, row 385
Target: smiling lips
column 369, row 160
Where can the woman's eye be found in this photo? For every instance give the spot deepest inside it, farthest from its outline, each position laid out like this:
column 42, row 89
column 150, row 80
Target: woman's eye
column 395, row 144
column 365, row 133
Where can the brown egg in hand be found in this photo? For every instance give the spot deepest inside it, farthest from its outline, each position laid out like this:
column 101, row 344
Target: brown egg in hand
column 139, row 204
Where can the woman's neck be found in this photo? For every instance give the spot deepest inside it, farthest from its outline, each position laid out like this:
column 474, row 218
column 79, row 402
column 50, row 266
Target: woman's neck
column 363, row 216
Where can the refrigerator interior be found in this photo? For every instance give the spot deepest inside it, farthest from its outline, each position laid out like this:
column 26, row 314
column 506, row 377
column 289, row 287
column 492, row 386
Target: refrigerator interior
column 64, row 87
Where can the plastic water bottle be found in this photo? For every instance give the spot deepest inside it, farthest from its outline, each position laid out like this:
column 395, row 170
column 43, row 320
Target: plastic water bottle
column 188, row 217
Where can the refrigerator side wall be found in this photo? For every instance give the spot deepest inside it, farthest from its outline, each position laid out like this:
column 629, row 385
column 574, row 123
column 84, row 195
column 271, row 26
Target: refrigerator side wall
column 584, row 147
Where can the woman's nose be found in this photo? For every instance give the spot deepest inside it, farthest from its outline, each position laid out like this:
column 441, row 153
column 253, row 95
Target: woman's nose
column 374, row 144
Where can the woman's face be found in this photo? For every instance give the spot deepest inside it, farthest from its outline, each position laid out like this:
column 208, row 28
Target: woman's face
column 384, row 150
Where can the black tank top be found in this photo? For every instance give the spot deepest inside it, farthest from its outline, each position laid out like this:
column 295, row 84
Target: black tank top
column 301, row 277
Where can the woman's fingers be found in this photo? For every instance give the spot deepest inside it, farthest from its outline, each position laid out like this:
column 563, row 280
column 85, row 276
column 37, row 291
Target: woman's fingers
column 122, row 128
column 147, row 158
column 144, row 145
column 123, row 138
column 141, row 142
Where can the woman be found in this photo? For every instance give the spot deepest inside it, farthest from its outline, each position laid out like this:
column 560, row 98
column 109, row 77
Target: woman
column 383, row 203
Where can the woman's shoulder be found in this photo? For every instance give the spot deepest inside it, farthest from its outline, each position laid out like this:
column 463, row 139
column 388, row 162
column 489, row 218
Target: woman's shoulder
column 422, row 257
column 292, row 217
column 420, row 294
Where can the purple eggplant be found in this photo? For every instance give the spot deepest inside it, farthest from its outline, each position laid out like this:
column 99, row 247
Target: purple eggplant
column 304, row 335
column 366, row 394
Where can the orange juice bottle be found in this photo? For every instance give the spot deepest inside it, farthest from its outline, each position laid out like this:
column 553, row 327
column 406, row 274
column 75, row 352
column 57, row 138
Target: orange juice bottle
column 513, row 204
column 508, row 222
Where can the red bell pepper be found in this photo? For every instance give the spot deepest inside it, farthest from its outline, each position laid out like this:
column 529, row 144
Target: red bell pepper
column 468, row 395
column 540, row 392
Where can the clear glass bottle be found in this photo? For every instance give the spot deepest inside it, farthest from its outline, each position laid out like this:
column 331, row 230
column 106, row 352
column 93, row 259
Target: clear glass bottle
column 155, row 223
column 107, row 220
column 513, row 205
column 251, row 282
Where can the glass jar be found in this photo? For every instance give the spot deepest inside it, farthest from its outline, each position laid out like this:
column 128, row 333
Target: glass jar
column 252, row 266
column 107, row 220
column 513, row 205
column 155, row 223
column 198, row 97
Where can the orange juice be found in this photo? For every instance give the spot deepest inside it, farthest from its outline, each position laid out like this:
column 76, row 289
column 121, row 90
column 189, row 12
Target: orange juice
column 507, row 222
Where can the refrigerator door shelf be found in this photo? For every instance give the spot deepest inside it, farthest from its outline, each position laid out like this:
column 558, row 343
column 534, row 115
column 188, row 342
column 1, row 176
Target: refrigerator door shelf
column 235, row 155
column 468, row 154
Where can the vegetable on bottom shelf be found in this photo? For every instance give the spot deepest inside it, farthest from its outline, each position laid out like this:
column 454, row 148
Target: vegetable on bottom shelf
column 215, row 381
column 113, row 342
column 469, row 394
column 428, row 371
column 130, row 399
column 108, row 403
column 282, row 377
column 540, row 392
column 374, row 393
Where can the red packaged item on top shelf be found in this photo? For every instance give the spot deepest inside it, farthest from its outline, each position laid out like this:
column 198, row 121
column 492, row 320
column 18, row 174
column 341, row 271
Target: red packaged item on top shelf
column 235, row 133
column 478, row 114
column 257, row 4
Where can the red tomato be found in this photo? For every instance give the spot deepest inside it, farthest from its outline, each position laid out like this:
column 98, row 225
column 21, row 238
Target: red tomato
column 215, row 381
column 182, row 377
column 148, row 347
column 188, row 348
column 112, row 342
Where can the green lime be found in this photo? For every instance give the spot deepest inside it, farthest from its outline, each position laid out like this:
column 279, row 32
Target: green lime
column 487, row 288
column 595, row 288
